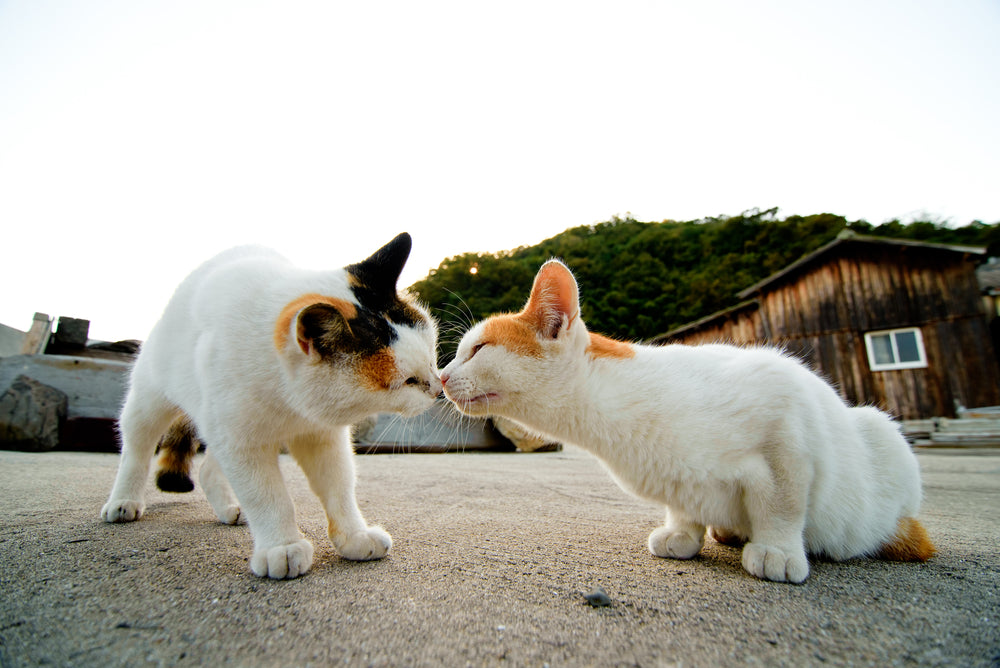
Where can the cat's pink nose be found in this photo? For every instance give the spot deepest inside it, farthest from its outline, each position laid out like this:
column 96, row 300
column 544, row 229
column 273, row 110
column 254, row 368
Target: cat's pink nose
column 444, row 379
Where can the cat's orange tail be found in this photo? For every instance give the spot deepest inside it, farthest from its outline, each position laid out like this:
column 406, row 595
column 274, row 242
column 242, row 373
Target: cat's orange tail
column 910, row 543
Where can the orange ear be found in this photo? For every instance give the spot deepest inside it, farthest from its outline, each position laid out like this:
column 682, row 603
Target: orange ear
column 554, row 300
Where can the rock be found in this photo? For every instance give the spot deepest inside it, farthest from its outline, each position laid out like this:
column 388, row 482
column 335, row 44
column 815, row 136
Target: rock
column 364, row 431
column 598, row 598
column 32, row 415
column 438, row 429
column 70, row 336
column 522, row 438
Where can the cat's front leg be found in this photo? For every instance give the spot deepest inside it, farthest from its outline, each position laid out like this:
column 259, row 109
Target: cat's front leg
column 776, row 550
column 329, row 464
column 280, row 550
column 778, row 558
column 678, row 538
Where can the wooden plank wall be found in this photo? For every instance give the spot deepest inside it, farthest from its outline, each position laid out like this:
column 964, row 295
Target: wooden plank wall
column 743, row 326
column 821, row 316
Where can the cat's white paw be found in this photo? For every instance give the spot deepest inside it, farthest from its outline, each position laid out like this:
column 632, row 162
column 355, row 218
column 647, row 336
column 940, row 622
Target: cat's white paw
column 664, row 542
column 122, row 511
column 283, row 561
column 372, row 543
column 775, row 564
column 229, row 515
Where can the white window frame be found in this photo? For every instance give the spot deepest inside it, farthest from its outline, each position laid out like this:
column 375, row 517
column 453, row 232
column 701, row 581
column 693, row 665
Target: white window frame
column 920, row 363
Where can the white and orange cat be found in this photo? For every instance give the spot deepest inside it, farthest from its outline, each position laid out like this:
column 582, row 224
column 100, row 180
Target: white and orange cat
column 257, row 354
column 744, row 440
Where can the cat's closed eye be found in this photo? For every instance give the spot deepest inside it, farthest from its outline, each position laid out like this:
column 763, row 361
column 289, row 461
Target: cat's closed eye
column 475, row 349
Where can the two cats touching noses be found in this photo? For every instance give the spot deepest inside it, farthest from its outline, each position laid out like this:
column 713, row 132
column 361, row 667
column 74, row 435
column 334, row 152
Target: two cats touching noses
column 253, row 355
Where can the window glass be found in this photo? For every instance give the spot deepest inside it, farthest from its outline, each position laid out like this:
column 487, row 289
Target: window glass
column 882, row 349
column 906, row 346
column 896, row 349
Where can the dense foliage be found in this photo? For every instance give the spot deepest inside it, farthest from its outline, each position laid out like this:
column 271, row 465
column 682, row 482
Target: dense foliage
column 638, row 280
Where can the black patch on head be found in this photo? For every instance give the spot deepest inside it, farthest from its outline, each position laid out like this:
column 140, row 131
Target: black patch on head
column 402, row 313
column 333, row 335
column 377, row 276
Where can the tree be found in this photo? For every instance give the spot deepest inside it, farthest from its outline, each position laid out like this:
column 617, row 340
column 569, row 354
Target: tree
column 639, row 280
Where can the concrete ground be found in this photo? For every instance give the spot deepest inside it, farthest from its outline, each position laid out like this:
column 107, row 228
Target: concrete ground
column 492, row 556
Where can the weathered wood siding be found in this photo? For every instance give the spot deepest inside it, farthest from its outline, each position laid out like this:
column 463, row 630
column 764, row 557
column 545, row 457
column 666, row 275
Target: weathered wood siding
column 740, row 325
column 822, row 312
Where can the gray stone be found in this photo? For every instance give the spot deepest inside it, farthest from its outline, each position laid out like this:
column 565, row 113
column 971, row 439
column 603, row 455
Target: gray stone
column 72, row 332
column 95, row 387
column 525, row 440
column 439, row 429
column 31, row 415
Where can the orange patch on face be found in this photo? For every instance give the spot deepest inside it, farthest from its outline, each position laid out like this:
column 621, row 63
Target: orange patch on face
column 911, row 543
column 378, row 369
column 513, row 333
column 291, row 309
column 602, row 346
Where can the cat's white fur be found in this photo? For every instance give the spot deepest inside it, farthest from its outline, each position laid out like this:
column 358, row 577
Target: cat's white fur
column 746, row 440
column 213, row 356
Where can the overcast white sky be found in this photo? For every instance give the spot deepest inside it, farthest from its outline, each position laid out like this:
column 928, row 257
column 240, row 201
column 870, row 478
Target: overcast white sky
column 139, row 138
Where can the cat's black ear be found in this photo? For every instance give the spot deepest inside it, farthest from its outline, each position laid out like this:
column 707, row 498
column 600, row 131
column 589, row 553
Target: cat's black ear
column 555, row 299
column 321, row 328
column 377, row 276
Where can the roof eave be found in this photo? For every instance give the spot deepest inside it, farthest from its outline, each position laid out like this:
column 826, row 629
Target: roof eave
column 854, row 238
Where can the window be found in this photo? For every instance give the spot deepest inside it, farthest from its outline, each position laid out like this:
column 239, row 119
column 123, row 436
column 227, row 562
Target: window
column 895, row 349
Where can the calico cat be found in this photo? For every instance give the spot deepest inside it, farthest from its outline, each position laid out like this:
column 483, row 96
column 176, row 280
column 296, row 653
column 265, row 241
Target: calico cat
column 257, row 354
column 746, row 440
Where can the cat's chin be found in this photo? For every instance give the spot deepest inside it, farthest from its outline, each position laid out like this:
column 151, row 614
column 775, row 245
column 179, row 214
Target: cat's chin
column 478, row 405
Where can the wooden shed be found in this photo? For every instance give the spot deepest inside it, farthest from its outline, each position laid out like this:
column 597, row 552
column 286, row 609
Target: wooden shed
column 893, row 323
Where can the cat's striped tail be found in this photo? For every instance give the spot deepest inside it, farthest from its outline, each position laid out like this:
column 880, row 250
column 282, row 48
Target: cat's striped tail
column 176, row 450
column 910, row 543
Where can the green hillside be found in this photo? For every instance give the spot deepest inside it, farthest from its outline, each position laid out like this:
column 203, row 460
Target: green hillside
column 638, row 280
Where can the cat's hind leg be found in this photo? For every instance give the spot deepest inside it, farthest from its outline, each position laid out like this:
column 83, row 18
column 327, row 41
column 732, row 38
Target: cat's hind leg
column 220, row 495
column 328, row 462
column 678, row 538
column 727, row 537
column 145, row 417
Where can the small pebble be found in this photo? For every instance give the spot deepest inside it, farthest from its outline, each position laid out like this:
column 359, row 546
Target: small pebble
column 598, row 598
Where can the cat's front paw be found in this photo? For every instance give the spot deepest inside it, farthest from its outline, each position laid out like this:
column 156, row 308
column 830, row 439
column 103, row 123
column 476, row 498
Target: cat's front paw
column 775, row 564
column 123, row 510
column 372, row 543
column 283, row 561
column 668, row 543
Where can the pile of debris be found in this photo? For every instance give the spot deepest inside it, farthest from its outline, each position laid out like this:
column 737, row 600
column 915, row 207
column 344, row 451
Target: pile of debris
column 63, row 389
column 973, row 428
